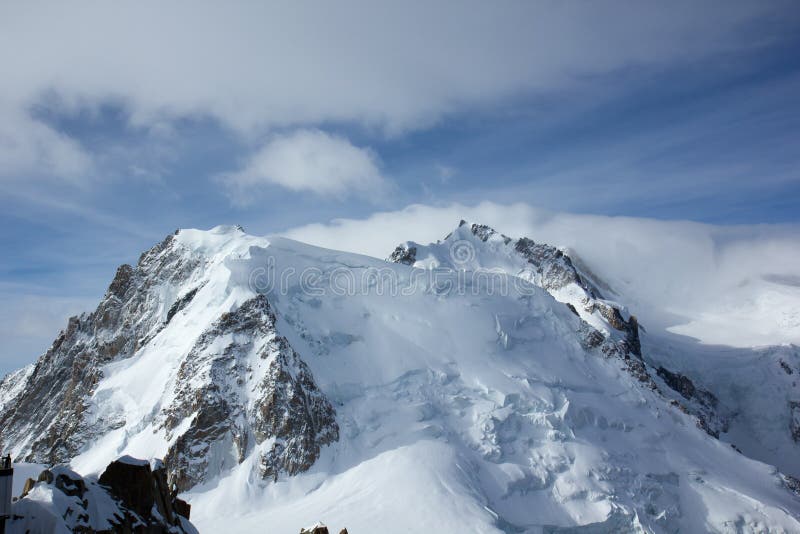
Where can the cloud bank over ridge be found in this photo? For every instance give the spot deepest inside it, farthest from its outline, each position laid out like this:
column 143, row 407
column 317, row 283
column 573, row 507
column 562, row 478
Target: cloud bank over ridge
column 731, row 285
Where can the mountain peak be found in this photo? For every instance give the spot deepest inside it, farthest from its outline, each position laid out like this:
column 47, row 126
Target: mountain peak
column 479, row 248
column 467, row 230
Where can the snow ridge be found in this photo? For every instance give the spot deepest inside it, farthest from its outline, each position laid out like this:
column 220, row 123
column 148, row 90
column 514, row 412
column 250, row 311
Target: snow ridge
column 477, row 247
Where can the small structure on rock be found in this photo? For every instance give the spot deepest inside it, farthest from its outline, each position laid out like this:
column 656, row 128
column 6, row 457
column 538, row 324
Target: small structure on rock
column 6, row 484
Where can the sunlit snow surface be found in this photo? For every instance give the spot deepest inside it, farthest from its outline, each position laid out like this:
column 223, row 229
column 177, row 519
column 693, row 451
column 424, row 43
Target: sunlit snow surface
column 459, row 412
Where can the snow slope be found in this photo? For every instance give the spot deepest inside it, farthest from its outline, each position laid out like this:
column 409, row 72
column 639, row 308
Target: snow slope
column 457, row 408
column 757, row 391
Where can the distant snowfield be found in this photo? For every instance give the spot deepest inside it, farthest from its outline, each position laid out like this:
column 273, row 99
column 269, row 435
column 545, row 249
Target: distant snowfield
column 731, row 285
column 761, row 312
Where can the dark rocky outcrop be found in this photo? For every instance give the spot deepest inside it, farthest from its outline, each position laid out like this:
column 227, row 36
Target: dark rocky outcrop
column 555, row 268
column 556, row 271
column 481, row 231
column 181, row 303
column 616, row 321
column 67, row 482
column 128, row 498
column 295, row 413
column 143, row 492
column 406, row 255
column 698, row 402
column 686, row 388
column 791, row 483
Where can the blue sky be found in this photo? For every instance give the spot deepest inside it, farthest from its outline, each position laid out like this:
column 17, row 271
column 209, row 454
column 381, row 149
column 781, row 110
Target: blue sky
column 112, row 136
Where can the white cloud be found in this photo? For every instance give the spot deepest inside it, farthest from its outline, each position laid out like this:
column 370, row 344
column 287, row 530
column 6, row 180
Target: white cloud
column 735, row 285
column 308, row 160
column 29, row 147
column 392, row 65
column 254, row 66
column 29, row 323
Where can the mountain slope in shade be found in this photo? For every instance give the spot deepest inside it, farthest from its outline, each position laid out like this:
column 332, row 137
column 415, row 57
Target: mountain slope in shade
column 285, row 383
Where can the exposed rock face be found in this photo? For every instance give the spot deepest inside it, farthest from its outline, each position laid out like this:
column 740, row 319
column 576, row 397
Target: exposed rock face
column 293, row 412
column 144, row 492
column 316, row 529
column 67, row 482
column 404, row 255
column 483, row 232
column 241, row 386
column 791, row 483
column 129, row 497
column 679, row 383
column 557, row 271
column 132, row 483
column 181, row 303
column 698, row 402
column 555, row 268
column 231, row 411
column 591, row 339
column 629, row 327
column 44, row 418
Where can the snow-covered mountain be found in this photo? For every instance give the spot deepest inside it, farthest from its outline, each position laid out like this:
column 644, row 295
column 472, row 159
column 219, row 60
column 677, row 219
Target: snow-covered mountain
column 748, row 397
column 481, row 384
